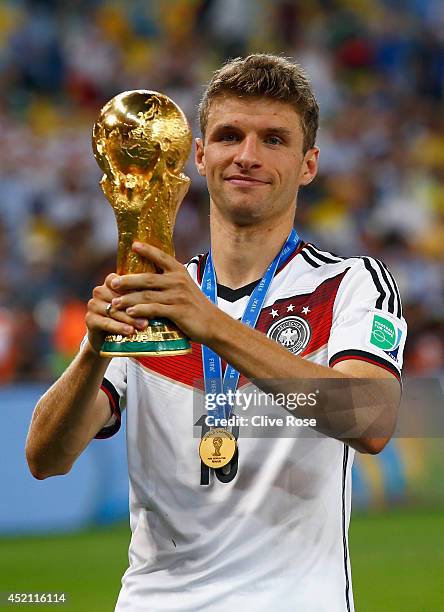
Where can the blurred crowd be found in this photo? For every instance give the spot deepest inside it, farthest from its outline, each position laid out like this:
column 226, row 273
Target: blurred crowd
column 377, row 67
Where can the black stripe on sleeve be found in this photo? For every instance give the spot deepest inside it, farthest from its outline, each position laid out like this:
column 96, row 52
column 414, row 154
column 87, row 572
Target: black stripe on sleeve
column 364, row 356
column 382, row 279
column 309, row 260
column 378, row 284
column 381, row 276
column 113, row 396
column 399, row 311
column 392, row 296
column 344, row 530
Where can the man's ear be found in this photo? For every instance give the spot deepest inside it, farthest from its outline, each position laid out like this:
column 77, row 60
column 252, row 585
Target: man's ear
column 309, row 168
column 199, row 157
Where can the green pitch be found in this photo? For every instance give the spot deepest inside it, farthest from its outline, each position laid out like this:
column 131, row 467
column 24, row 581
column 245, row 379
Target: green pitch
column 397, row 557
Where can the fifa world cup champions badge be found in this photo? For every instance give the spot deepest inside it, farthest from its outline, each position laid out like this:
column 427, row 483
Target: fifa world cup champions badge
column 217, row 448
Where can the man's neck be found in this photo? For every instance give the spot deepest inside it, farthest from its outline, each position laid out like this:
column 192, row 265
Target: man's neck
column 241, row 255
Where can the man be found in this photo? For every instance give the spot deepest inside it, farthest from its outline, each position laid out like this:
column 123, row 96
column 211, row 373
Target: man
column 268, row 531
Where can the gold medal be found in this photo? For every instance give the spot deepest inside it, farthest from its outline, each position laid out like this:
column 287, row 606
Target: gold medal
column 217, row 448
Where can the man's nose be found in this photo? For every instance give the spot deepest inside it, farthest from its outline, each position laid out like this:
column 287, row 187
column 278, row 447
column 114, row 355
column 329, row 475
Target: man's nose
column 247, row 153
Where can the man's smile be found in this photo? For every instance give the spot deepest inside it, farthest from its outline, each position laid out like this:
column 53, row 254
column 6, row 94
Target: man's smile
column 244, row 180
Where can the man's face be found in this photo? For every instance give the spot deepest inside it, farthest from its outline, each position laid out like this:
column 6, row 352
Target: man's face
column 253, row 159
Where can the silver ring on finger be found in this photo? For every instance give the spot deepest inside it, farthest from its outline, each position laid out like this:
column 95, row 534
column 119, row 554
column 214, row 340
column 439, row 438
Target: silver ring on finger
column 108, row 309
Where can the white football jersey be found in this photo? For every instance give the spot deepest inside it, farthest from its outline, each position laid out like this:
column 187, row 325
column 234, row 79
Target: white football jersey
column 269, row 532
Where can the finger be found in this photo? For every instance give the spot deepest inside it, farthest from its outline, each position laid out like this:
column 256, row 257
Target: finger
column 101, row 308
column 150, row 311
column 110, row 278
column 105, row 293
column 145, row 280
column 112, row 284
column 147, row 296
column 162, row 260
column 108, row 325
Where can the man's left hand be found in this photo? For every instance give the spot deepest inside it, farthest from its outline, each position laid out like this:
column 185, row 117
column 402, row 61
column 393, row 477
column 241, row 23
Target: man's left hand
column 171, row 294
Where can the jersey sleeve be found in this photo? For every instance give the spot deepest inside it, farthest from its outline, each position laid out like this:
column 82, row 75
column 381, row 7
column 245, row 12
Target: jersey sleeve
column 114, row 386
column 367, row 318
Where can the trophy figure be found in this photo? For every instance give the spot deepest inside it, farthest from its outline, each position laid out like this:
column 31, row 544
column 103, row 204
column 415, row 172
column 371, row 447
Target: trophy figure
column 141, row 140
column 217, row 443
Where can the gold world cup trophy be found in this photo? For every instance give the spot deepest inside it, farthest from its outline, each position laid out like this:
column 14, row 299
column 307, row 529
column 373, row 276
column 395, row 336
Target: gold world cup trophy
column 142, row 140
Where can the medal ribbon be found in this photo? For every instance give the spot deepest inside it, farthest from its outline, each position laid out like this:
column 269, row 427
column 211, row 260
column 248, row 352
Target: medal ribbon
column 212, row 363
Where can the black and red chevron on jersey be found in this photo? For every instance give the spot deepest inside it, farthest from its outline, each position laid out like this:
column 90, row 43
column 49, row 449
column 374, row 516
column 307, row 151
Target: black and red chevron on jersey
column 304, row 295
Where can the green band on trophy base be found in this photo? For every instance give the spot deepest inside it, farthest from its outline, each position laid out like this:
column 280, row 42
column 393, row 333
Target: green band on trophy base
column 153, row 349
column 159, row 339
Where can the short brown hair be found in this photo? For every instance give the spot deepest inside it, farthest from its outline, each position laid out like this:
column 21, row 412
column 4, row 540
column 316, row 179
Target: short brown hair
column 268, row 76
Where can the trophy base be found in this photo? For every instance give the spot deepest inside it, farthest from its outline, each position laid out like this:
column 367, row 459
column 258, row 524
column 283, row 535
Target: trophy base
column 159, row 339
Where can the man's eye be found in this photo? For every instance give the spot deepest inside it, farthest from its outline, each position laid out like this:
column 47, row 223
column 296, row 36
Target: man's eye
column 229, row 137
column 274, row 140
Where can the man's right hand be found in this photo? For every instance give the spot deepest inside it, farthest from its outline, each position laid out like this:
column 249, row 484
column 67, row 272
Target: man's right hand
column 101, row 323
